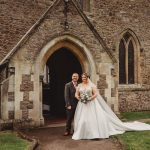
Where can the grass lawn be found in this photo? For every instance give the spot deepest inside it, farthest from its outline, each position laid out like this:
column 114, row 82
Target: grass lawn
column 10, row 141
column 130, row 116
column 135, row 140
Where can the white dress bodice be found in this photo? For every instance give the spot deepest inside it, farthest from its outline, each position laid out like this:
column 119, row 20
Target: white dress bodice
column 87, row 89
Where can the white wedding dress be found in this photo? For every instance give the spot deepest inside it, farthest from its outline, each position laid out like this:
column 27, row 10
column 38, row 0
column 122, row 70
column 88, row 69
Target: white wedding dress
column 96, row 120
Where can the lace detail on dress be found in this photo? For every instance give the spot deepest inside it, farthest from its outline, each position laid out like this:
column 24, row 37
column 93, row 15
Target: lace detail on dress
column 87, row 90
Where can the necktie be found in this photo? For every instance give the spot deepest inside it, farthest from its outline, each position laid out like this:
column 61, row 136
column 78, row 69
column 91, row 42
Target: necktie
column 75, row 84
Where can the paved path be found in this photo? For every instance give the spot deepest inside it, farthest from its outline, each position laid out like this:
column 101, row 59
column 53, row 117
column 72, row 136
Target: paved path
column 53, row 139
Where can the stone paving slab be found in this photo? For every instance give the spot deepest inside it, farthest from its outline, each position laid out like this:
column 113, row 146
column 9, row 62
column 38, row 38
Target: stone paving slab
column 53, row 139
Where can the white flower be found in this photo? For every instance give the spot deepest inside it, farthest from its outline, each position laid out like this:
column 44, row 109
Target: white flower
column 84, row 97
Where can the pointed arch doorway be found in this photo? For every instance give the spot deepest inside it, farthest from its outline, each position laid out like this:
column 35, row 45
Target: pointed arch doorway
column 59, row 68
column 75, row 51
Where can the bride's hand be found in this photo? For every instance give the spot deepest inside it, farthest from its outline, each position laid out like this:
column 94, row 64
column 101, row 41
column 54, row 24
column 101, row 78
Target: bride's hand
column 94, row 94
column 90, row 99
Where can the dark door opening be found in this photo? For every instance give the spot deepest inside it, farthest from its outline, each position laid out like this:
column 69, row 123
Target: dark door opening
column 61, row 65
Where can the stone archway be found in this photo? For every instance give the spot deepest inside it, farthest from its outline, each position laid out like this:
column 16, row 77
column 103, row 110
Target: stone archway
column 58, row 71
column 77, row 48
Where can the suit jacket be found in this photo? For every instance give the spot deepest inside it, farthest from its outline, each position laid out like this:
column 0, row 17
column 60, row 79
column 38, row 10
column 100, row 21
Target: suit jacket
column 70, row 95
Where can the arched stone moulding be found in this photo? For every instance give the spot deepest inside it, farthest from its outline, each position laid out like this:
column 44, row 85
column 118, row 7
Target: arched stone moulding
column 73, row 44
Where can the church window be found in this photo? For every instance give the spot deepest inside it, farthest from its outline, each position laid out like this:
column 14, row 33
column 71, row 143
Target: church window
column 127, row 59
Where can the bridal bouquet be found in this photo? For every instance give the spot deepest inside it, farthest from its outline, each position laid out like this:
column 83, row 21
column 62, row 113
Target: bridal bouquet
column 85, row 98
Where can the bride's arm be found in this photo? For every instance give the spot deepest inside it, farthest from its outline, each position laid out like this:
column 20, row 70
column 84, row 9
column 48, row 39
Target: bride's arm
column 94, row 91
column 77, row 94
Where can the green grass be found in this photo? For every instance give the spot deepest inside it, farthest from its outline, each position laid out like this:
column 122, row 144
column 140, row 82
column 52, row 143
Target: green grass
column 135, row 140
column 131, row 116
column 10, row 141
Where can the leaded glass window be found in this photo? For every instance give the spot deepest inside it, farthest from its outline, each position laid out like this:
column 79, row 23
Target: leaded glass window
column 126, row 60
column 122, row 63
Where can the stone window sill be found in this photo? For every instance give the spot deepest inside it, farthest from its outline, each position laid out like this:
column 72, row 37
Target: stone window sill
column 133, row 87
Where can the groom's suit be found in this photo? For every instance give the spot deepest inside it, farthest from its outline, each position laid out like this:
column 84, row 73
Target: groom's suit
column 70, row 101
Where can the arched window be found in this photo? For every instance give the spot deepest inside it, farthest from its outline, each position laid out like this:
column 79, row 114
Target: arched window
column 128, row 60
column 122, row 63
column 85, row 5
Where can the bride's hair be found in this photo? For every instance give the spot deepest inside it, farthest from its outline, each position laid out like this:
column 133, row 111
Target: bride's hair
column 85, row 74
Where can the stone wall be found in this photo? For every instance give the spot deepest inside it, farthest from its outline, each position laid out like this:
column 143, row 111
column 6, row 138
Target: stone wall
column 16, row 17
column 113, row 17
column 110, row 18
column 51, row 27
column 7, row 101
column 134, row 101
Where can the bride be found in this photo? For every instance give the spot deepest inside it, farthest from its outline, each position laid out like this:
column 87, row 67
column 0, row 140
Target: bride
column 94, row 118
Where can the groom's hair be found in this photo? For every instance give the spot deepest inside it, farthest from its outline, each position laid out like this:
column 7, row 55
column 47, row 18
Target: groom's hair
column 75, row 73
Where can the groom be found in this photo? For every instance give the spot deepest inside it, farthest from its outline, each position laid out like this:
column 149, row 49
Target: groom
column 71, row 101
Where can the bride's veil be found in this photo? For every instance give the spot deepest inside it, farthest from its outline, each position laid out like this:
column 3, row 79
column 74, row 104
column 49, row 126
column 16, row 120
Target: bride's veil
column 115, row 121
column 103, row 104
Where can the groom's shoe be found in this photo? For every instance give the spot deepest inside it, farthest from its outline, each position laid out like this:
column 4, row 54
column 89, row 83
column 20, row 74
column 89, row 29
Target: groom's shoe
column 66, row 133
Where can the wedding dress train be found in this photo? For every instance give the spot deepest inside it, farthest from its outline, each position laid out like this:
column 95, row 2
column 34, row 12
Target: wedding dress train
column 96, row 119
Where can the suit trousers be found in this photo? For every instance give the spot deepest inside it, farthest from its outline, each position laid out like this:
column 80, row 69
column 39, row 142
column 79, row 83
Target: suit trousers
column 70, row 117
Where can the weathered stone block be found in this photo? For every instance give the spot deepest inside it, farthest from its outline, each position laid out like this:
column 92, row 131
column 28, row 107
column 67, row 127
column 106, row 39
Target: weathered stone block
column 11, row 114
column 23, row 105
column 25, row 114
column 113, row 72
column 26, row 86
column 30, row 105
column 26, row 77
column 102, row 77
column 102, row 92
column 113, row 92
column 26, row 96
column 112, row 107
column 11, row 96
column 26, row 105
column 101, row 84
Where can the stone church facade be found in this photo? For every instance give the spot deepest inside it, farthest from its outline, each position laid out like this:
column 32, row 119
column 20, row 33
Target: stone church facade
column 109, row 40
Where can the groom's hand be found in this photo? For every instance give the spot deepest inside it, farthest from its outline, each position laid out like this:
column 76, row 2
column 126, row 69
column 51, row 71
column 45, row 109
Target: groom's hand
column 69, row 107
